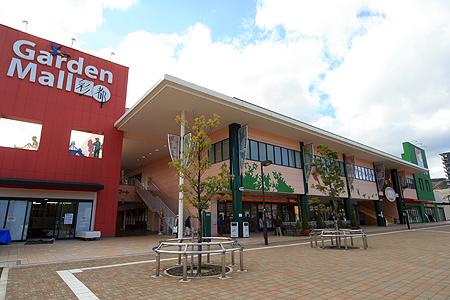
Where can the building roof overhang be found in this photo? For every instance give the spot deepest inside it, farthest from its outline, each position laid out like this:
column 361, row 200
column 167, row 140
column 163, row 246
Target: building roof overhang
column 50, row 184
column 147, row 123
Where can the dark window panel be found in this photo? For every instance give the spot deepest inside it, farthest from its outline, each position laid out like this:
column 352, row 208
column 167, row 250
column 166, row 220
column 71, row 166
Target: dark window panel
column 284, row 157
column 277, row 151
column 297, row 160
column 254, row 150
column 226, row 149
column 270, row 153
column 262, row 151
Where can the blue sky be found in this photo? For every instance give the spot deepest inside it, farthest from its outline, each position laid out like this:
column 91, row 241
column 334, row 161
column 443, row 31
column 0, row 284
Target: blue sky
column 225, row 18
column 349, row 66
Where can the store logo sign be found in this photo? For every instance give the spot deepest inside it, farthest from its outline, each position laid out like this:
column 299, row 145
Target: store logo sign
column 69, row 74
column 390, row 194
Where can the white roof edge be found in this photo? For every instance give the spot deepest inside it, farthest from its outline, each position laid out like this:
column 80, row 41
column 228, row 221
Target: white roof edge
column 275, row 116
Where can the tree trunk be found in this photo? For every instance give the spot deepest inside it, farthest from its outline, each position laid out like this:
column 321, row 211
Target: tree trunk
column 200, row 239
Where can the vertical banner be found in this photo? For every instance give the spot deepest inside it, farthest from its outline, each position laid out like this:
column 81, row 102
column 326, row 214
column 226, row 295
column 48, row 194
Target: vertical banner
column 402, row 179
column 173, row 141
column 350, row 168
column 380, row 171
column 187, row 146
column 308, row 153
column 243, row 146
column 418, row 153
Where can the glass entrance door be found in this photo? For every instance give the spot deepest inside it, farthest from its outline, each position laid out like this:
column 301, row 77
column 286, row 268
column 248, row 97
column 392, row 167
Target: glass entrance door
column 42, row 220
column 65, row 220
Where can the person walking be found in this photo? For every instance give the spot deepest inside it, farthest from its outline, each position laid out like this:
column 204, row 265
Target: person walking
column 278, row 227
column 187, row 226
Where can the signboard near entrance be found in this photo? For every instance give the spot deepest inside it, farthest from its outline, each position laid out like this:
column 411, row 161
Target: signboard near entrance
column 390, row 194
column 68, row 218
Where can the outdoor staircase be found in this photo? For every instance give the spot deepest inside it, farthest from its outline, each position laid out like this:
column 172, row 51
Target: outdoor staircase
column 153, row 198
column 370, row 213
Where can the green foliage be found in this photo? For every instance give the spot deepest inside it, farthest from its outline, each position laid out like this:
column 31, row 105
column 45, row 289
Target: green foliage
column 326, row 167
column 298, row 225
column 305, row 225
column 199, row 189
column 272, row 181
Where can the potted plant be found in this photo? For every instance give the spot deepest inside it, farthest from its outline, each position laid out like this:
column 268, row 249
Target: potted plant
column 305, row 227
column 298, row 228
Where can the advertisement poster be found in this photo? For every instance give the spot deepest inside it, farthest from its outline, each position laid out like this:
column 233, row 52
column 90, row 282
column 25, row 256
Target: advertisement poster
column 173, row 142
column 419, row 157
column 243, row 146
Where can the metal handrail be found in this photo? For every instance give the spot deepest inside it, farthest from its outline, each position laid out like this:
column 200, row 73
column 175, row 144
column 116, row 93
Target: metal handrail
column 188, row 248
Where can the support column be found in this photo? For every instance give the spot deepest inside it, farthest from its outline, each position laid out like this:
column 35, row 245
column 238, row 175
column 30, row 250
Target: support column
column 347, row 201
column 304, row 198
column 348, row 209
column 236, row 182
column 399, row 199
column 378, row 212
column 181, row 180
column 305, row 206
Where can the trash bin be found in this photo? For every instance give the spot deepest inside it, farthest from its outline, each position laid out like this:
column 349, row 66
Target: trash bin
column 245, row 230
column 234, row 232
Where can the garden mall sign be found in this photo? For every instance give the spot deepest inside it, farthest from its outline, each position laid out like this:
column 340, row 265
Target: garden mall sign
column 26, row 66
column 390, row 194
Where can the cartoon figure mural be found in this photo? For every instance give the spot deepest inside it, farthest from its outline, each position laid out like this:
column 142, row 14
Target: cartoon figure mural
column 56, row 50
column 73, row 150
column 33, row 145
column 97, row 147
column 90, row 145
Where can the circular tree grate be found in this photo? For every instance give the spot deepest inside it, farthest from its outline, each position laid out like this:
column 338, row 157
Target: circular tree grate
column 208, row 270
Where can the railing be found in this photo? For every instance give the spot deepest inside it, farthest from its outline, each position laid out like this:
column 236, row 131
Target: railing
column 209, row 246
column 157, row 205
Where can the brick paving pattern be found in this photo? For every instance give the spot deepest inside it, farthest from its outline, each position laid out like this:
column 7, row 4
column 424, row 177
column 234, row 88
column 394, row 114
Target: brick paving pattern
column 406, row 265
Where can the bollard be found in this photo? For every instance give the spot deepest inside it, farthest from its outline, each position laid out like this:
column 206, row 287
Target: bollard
column 179, row 255
column 158, row 264
column 232, row 258
column 208, row 260
column 224, row 270
column 241, row 260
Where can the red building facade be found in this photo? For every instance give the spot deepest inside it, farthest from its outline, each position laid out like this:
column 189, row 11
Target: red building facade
column 63, row 90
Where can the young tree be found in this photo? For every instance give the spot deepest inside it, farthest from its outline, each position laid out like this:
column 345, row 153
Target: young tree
column 199, row 189
column 327, row 169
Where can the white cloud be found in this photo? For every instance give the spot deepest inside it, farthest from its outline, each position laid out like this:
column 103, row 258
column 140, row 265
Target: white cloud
column 386, row 74
column 60, row 20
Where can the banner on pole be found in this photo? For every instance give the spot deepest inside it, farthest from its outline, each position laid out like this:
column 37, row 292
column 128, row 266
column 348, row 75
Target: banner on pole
column 187, row 144
column 308, row 155
column 243, row 146
column 173, row 142
column 380, row 171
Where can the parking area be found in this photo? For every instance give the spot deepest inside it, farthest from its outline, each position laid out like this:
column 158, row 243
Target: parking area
column 398, row 265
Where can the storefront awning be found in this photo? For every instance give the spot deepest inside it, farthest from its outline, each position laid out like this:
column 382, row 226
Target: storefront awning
column 50, row 184
column 410, row 200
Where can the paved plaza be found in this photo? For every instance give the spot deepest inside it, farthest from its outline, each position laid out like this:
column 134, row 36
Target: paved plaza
column 399, row 264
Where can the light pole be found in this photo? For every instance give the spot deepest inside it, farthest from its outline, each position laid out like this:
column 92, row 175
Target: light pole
column 264, row 164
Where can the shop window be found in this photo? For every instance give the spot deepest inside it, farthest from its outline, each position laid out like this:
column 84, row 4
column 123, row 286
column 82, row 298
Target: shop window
column 270, row 153
column 211, row 154
column 277, row 155
column 262, row 151
column 253, row 150
column 284, row 157
column 19, row 134
column 226, row 149
column 291, row 158
column 86, row 144
column 218, row 151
